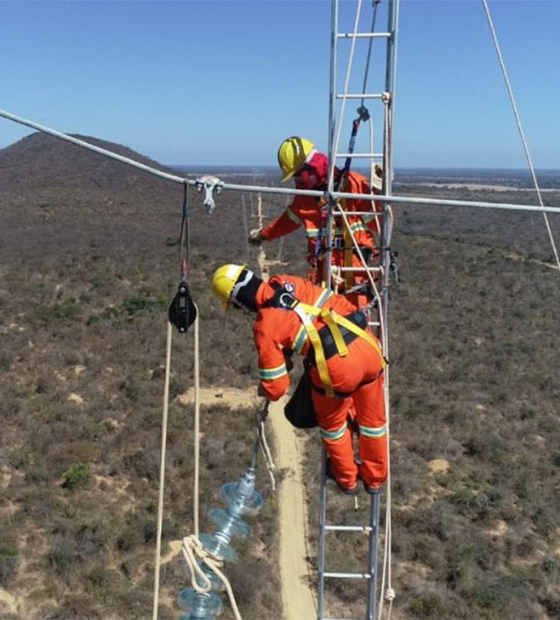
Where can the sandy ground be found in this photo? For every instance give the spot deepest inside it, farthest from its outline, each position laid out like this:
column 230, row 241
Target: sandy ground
column 232, row 397
column 297, row 595
column 298, row 601
column 7, row 602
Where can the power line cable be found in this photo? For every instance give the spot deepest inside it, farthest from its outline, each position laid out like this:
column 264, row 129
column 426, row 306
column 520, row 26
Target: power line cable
column 520, row 128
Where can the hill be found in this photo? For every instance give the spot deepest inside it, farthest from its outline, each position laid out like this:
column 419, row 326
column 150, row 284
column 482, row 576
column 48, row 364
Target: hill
column 85, row 279
column 43, row 161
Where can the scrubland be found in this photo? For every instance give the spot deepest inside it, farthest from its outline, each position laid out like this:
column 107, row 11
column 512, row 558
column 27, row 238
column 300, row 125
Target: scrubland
column 89, row 266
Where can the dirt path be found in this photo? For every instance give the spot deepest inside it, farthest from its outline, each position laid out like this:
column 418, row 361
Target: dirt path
column 297, row 592
column 298, row 601
column 7, row 600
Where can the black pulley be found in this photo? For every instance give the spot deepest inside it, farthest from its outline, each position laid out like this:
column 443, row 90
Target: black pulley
column 182, row 311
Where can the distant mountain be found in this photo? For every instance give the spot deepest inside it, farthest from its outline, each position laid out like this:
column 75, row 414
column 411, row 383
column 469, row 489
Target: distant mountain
column 41, row 161
column 61, row 197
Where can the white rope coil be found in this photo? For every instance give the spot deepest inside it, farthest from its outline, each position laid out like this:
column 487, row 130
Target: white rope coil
column 194, row 554
column 263, row 443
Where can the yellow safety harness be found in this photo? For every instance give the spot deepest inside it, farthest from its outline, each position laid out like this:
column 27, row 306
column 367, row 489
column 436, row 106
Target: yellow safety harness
column 283, row 298
column 332, row 320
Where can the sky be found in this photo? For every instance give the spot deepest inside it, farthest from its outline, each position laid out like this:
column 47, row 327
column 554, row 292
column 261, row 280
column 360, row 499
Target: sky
column 217, row 82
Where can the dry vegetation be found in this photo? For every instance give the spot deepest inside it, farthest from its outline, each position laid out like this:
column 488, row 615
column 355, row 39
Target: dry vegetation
column 89, row 265
column 475, row 390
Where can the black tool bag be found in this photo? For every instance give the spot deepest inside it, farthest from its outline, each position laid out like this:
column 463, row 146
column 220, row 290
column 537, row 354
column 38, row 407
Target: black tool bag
column 299, row 410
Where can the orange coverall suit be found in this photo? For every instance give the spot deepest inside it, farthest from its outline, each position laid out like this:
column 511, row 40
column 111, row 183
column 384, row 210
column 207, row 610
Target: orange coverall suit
column 306, row 211
column 356, row 379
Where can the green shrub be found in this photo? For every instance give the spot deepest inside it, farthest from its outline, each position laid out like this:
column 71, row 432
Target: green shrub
column 142, row 304
column 8, row 563
column 76, row 475
column 68, row 310
column 428, row 605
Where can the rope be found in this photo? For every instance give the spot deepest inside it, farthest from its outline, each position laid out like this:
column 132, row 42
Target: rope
column 261, row 416
column 262, row 413
column 162, row 468
column 164, row 449
column 520, row 129
column 375, row 4
column 386, row 575
column 343, row 106
column 387, row 591
column 194, row 554
column 196, row 427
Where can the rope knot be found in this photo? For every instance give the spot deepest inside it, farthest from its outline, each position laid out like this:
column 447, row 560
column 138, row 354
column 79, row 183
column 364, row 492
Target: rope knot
column 390, row 595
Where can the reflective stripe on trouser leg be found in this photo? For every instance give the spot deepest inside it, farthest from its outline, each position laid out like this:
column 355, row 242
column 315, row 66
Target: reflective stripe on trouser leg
column 370, row 414
column 336, row 436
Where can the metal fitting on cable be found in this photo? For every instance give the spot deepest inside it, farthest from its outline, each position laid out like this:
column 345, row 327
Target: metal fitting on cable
column 210, row 184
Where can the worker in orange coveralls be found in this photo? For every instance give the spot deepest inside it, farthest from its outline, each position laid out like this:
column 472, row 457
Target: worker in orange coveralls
column 343, row 360
column 299, row 160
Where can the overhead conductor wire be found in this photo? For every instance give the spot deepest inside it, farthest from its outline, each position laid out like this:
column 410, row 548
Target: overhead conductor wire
column 277, row 190
column 520, row 129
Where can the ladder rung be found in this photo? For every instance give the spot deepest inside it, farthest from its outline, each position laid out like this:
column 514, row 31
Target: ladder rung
column 363, row 35
column 358, row 155
column 362, row 96
column 374, row 213
column 375, row 269
column 340, row 619
column 362, row 576
column 348, row 528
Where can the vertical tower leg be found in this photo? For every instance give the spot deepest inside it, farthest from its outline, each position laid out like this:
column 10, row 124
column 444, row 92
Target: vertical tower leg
column 372, row 556
column 322, row 533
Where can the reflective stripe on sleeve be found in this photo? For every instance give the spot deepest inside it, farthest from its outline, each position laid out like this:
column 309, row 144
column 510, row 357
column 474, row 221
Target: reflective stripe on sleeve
column 293, row 217
column 357, row 226
column 269, row 374
column 368, row 218
column 312, row 233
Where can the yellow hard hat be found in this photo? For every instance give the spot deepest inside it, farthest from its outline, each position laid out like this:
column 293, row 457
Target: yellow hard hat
column 292, row 155
column 223, row 281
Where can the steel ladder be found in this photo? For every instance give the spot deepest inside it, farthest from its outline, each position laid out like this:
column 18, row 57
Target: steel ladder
column 380, row 269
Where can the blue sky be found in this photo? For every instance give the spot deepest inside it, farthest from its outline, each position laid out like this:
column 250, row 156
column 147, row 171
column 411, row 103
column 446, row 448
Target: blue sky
column 223, row 82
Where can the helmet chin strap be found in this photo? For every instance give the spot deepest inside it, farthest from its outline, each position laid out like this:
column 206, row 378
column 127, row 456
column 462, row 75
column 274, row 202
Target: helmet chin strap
column 239, row 285
column 244, row 293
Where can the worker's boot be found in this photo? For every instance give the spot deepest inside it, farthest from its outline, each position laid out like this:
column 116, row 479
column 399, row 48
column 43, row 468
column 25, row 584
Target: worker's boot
column 346, row 490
